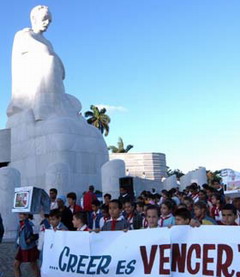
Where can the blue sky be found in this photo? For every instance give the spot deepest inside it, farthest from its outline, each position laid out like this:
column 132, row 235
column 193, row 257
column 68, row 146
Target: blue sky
column 168, row 69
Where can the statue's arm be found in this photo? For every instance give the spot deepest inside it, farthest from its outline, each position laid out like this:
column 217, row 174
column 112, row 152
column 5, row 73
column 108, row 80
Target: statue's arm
column 62, row 65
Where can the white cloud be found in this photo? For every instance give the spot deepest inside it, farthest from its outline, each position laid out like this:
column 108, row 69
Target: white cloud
column 110, row 108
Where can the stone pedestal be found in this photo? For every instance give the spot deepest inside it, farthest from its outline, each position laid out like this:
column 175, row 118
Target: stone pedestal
column 9, row 180
column 62, row 152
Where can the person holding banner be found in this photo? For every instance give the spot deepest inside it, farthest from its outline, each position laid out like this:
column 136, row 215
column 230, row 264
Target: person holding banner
column 229, row 215
column 152, row 216
column 182, row 216
column 116, row 222
column 80, row 221
column 166, row 218
column 200, row 212
column 55, row 220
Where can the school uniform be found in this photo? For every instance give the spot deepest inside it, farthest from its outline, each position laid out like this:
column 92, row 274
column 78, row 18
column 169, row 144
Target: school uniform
column 60, row 226
column 144, row 223
column 84, row 228
column 75, row 208
column 115, row 224
column 27, row 250
column 94, row 222
column 166, row 221
column 102, row 221
column 134, row 220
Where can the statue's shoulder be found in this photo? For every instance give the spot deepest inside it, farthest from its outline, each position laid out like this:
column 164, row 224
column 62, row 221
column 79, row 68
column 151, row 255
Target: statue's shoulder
column 24, row 32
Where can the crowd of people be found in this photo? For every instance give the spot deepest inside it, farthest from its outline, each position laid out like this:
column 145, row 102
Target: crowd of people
column 195, row 206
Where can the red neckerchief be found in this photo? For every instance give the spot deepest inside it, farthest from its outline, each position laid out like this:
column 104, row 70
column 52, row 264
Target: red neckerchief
column 216, row 211
column 113, row 224
column 195, row 196
column 130, row 217
column 22, row 224
column 145, row 223
column 162, row 218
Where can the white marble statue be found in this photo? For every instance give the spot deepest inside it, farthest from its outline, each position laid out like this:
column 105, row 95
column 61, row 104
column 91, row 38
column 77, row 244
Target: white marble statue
column 38, row 72
column 52, row 145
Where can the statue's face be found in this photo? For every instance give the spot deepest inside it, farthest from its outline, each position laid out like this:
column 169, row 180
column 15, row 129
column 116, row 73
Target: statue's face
column 41, row 21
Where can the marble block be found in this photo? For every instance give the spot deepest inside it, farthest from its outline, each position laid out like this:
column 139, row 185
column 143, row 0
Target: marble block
column 9, row 180
column 170, row 182
column 5, row 146
column 53, row 151
column 111, row 172
column 198, row 176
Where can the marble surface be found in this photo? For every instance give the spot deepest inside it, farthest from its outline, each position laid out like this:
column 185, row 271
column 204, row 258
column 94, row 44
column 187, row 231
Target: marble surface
column 38, row 73
column 111, row 172
column 5, row 146
column 198, row 176
column 9, row 180
column 170, row 182
column 52, row 145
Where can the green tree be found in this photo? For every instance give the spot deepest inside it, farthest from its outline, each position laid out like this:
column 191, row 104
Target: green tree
column 213, row 176
column 99, row 119
column 120, row 148
column 176, row 172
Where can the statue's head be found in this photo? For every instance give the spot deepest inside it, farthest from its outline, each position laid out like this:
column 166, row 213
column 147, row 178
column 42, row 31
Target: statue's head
column 40, row 18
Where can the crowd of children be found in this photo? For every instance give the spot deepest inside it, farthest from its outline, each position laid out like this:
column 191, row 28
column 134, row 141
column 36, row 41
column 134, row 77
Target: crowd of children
column 194, row 206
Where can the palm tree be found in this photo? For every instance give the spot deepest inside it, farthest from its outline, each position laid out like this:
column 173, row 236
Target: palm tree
column 120, row 148
column 99, row 119
column 176, row 172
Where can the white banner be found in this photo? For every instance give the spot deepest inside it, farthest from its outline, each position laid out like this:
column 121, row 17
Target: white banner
column 179, row 251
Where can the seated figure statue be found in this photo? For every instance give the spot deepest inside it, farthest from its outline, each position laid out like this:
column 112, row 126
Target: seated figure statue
column 38, row 73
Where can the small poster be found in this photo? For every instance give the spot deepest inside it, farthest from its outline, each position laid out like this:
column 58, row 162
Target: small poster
column 30, row 200
column 22, row 200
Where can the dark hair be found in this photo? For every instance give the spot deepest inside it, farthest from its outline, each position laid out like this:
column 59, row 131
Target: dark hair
column 130, row 202
column 140, row 204
column 220, row 198
column 72, row 195
column 53, row 190
column 105, row 208
column 91, row 188
column 182, row 205
column 183, row 213
column 201, row 205
column 211, row 189
column 108, row 195
column 116, row 201
column 230, row 207
column 96, row 203
column 30, row 216
column 188, row 198
column 169, row 204
column 55, row 213
column 153, row 207
column 193, row 186
column 205, row 186
column 166, row 193
column 81, row 216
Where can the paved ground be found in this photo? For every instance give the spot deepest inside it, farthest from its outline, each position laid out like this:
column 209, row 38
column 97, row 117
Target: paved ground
column 7, row 254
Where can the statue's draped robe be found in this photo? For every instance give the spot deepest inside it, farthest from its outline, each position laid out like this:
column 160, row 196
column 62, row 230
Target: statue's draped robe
column 37, row 79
